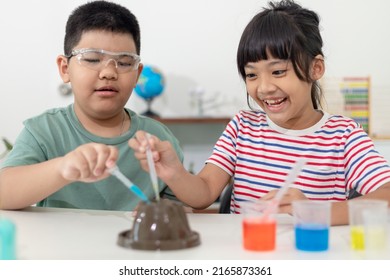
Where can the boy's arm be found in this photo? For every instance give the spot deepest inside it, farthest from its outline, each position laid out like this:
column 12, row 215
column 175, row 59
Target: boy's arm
column 22, row 186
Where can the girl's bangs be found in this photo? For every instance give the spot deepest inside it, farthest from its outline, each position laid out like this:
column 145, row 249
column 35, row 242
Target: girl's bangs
column 272, row 37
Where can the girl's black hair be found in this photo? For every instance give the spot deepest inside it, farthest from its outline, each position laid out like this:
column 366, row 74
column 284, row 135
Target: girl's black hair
column 285, row 31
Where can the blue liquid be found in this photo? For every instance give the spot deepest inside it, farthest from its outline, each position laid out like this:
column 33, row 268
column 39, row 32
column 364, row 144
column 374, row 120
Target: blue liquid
column 311, row 237
column 7, row 240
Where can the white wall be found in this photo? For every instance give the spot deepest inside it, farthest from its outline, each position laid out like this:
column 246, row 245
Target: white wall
column 193, row 43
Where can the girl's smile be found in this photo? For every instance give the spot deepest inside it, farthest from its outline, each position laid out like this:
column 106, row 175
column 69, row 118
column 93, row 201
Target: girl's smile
column 275, row 105
column 275, row 87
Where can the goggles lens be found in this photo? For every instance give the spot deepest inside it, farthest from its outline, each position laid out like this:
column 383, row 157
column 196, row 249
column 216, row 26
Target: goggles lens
column 97, row 60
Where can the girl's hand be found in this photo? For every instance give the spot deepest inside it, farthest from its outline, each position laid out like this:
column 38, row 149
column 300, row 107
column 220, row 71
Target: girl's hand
column 285, row 205
column 88, row 163
column 165, row 158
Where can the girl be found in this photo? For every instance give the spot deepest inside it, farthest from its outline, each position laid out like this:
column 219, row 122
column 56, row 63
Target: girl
column 280, row 59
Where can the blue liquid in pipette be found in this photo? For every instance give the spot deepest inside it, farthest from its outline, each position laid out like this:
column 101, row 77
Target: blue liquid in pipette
column 312, row 237
column 136, row 190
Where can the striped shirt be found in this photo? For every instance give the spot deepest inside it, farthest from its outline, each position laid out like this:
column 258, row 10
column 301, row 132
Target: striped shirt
column 258, row 154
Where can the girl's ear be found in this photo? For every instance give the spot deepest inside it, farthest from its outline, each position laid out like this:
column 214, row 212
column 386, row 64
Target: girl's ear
column 62, row 64
column 318, row 68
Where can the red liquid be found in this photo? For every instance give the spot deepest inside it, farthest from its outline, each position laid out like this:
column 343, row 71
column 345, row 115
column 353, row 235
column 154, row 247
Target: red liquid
column 259, row 235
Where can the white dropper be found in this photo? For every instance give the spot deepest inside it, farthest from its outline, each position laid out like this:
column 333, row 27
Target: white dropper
column 152, row 168
column 293, row 174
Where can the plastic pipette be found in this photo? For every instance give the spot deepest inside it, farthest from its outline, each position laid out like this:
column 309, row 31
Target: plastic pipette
column 152, row 168
column 136, row 190
column 294, row 172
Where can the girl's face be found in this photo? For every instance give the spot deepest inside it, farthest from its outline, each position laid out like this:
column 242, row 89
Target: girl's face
column 275, row 87
column 102, row 94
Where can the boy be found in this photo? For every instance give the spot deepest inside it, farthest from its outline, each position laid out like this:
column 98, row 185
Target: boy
column 61, row 157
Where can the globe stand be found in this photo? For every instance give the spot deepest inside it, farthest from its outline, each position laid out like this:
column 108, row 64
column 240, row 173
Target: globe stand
column 149, row 112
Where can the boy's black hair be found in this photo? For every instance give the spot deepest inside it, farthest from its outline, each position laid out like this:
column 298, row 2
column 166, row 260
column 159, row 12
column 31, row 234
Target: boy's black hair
column 100, row 15
column 285, row 31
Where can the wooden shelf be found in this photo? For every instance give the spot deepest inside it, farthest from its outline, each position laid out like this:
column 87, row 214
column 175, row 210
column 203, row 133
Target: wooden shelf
column 197, row 137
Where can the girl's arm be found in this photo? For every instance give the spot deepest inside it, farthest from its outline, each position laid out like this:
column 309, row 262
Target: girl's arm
column 339, row 212
column 198, row 191
column 340, row 209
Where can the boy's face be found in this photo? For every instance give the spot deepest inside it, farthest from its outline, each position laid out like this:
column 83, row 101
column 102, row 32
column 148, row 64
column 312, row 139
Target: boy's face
column 100, row 94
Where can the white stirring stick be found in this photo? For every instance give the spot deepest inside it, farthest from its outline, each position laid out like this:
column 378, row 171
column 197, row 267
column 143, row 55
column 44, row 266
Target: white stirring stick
column 293, row 174
column 152, row 168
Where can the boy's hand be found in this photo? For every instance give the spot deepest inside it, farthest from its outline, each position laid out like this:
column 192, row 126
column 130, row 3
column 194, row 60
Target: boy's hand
column 88, row 163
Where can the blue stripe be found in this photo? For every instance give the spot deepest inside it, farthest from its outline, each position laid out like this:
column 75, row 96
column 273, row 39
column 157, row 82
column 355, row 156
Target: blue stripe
column 358, row 182
column 323, row 172
column 304, row 170
column 353, row 163
column 342, row 131
column 354, row 140
column 235, row 124
column 317, row 192
column 239, row 199
column 223, row 152
column 322, row 193
column 289, row 146
column 229, row 139
column 264, row 163
column 257, row 183
column 254, row 124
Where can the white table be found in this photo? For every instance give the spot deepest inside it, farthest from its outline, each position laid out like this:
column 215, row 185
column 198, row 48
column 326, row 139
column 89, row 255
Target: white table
column 69, row 234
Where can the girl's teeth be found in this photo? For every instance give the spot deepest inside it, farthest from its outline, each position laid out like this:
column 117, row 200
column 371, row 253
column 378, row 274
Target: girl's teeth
column 272, row 102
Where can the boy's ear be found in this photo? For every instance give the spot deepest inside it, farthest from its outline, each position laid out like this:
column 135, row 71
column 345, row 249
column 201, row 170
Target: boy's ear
column 318, row 68
column 62, row 64
column 140, row 67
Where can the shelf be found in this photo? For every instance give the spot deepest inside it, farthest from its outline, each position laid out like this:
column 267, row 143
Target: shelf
column 197, row 137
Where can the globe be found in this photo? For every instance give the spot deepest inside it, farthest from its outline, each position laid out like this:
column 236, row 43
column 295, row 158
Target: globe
column 150, row 84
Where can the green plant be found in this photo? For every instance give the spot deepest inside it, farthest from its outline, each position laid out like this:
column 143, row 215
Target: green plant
column 7, row 144
column 8, row 147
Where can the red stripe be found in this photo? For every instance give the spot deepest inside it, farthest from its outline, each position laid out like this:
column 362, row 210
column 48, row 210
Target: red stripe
column 260, row 169
column 252, row 175
column 377, row 178
column 232, row 132
column 351, row 153
column 221, row 163
column 246, row 194
column 279, row 152
column 320, row 180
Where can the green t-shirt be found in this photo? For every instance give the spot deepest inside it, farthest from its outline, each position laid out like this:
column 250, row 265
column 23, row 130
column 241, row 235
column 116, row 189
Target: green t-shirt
column 58, row 131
